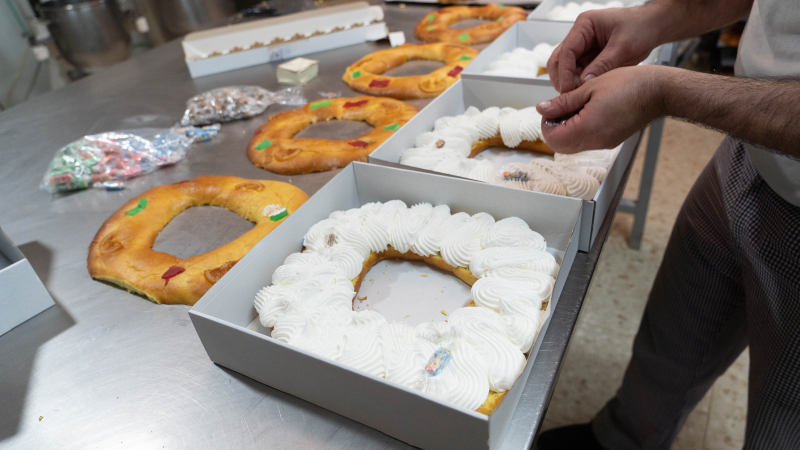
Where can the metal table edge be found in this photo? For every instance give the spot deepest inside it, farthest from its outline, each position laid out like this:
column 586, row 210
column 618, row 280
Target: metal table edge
column 529, row 416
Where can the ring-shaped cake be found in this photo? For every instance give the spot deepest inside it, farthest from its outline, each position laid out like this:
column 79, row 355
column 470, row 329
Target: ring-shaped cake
column 455, row 140
column 121, row 252
column 274, row 147
column 365, row 74
column 435, row 27
column 474, row 357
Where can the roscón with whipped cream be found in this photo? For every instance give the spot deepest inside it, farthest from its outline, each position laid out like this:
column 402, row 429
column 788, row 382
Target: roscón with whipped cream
column 454, row 141
column 572, row 10
column 521, row 62
column 471, row 359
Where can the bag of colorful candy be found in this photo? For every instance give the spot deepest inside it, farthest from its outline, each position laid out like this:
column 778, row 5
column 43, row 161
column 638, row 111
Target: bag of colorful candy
column 104, row 160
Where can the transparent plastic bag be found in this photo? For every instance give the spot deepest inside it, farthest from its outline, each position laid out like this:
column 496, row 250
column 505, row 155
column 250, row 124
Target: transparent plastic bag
column 119, row 155
column 236, row 102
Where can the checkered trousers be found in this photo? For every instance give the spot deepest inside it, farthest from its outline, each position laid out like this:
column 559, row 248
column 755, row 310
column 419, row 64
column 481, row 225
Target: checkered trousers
column 730, row 278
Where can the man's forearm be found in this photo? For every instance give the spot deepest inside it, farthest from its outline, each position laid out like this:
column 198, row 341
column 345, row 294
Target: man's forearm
column 762, row 111
column 674, row 20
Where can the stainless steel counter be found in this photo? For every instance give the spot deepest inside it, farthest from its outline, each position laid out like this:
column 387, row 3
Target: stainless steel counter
column 106, row 369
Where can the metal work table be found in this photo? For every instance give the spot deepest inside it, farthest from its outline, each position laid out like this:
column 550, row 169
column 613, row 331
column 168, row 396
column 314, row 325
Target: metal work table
column 107, row 369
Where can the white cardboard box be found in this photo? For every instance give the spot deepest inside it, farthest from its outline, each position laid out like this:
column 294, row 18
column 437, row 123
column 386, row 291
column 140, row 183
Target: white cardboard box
column 22, row 294
column 483, row 93
column 525, row 34
column 544, row 8
column 223, row 316
column 359, row 22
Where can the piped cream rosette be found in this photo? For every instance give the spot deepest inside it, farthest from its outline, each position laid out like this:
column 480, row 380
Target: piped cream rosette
column 447, row 149
column 310, row 302
column 521, row 62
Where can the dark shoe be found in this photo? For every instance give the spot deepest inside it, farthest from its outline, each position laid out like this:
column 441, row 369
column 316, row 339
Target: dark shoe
column 567, row 438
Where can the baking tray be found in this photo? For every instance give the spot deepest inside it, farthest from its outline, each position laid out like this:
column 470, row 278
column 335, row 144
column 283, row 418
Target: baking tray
column 224, row 318
column 483, row 93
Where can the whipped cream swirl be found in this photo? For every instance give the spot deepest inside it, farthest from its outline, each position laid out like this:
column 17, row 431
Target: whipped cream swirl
column 521, row 62
column 309, row 303
column 447, row 148
column 572, row 10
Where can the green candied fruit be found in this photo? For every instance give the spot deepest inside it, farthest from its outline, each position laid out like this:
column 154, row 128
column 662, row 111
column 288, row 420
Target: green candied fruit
column 139, row 207
column 321, row 104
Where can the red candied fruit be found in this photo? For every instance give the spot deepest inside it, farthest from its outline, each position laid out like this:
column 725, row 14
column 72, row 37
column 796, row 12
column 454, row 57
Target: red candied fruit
column 171, row 272
column 359, row 144
column 379, row 83
column 456, row 70
column 355, row 104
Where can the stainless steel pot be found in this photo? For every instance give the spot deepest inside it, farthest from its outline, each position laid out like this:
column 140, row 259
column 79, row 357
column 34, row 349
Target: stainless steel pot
column 178, row 17
column 90, row 33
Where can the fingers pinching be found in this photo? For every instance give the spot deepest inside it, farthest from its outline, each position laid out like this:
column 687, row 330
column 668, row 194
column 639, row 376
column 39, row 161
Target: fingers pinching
column 577, row 42
column 562, row 124
column 564, row 104
column 608, row 60
column 552, row 67
column 566, row 70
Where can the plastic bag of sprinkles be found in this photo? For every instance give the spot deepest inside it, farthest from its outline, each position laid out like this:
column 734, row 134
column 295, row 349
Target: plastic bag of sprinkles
column 95, row 160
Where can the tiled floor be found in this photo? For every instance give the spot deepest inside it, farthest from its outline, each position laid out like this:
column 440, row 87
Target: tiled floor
column 601, row 346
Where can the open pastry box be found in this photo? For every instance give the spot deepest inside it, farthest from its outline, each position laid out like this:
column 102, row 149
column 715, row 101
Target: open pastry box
column 543, row 10
column 482, row 94
column 527, row 34
column 261, row 41
column 22, row 294
column 227, row 322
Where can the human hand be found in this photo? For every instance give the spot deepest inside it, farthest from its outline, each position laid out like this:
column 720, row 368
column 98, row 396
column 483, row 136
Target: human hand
column 600, row 41
column 609, row 109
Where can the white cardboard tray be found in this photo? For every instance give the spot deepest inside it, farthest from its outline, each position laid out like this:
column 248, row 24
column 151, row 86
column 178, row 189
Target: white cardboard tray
column 359, row 22
column 22, row 294
column 525, row 34
column 223, row 316
column 544, row 8
column 483, row 93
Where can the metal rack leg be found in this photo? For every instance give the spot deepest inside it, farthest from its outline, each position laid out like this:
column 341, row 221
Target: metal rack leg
column 646, row 185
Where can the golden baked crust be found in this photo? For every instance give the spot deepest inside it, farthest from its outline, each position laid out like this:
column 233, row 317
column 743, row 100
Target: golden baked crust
column 365, row 74
column 492, row 402
column 436, row 260
column 274, row 147
column 497, row 141
column 121, row 252
column 435, row 27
